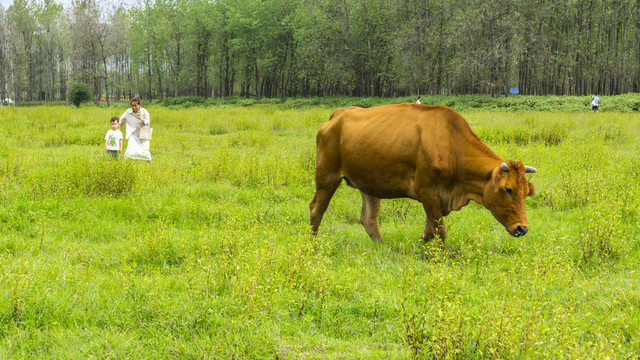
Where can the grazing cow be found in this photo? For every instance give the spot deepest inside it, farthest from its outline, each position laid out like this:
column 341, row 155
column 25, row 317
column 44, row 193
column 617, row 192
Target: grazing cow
column 426, row 153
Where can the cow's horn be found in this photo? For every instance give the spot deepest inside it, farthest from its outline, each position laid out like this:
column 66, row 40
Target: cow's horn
column 529, row 169
column 504, row 167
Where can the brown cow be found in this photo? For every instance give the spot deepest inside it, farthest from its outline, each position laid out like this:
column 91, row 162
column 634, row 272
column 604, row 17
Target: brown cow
column 426, row 153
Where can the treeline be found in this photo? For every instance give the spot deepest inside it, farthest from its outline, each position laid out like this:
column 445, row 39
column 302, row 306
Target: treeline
column 302, row 48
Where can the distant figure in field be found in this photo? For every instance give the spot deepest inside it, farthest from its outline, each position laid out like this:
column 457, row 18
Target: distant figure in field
column 113, row 139
column 595, row 101
column 419, row 101
column 136, row 117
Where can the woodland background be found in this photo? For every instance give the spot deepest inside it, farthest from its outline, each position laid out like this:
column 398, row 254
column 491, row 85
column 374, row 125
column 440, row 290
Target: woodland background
column 301, row 48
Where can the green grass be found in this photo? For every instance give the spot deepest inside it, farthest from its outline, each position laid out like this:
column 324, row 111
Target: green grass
column 205, row 252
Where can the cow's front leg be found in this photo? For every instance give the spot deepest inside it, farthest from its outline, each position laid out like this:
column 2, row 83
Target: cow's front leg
column 369, row 216
column 435, row 226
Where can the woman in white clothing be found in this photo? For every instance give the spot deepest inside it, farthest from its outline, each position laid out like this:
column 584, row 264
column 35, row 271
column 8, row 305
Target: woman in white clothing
column 136, row 117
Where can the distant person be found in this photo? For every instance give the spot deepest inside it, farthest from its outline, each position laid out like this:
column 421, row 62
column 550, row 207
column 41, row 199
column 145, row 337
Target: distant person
column 595, row 101
column 419, row 101
column 135, row 118
column 113, row 139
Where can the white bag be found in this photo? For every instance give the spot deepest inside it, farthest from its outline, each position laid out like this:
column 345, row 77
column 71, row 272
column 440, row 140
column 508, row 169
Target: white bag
column 145, row 133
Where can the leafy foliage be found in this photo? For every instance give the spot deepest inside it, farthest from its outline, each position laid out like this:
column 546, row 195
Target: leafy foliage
column 308, row 48
column 461, row 103
column 78, row 93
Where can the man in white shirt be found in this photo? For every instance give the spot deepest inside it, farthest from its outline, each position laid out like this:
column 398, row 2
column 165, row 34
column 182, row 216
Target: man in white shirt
column 595, row 100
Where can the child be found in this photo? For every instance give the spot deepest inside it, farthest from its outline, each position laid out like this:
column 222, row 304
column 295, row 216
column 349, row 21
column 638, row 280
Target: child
column 113, row 139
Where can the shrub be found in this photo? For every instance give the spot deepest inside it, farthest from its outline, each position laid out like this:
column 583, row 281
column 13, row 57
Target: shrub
column 79, row 92
column 183, row 102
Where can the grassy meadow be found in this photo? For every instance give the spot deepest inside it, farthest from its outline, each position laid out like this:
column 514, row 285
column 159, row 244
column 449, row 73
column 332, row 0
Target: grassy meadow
column 205, row 252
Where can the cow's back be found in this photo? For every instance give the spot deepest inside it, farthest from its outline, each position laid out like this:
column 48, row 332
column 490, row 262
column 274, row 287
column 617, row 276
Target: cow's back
column 398, row 130
column 378, row 149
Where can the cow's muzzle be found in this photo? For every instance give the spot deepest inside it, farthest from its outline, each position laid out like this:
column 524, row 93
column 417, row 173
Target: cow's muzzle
column 519, row 231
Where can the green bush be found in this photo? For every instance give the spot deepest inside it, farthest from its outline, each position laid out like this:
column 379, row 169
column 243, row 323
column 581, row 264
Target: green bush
column 79, row 92
column 461, row 103
column 183, row 102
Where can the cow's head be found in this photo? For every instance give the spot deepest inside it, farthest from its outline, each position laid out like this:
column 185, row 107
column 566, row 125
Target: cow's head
column 504, row 196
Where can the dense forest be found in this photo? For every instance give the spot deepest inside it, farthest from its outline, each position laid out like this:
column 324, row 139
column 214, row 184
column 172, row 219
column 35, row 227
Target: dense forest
column 287, row 48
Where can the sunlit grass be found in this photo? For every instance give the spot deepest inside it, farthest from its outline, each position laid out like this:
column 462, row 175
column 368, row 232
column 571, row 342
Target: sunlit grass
column 205, row 252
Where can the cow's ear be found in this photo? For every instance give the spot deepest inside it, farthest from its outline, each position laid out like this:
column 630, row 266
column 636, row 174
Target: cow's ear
column 531, row 190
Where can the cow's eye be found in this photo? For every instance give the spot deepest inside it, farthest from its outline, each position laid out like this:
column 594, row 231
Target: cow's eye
column 508, row 190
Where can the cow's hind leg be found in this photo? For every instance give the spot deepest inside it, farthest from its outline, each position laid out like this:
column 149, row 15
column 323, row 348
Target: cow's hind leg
column 320, row 202
column 369, row 216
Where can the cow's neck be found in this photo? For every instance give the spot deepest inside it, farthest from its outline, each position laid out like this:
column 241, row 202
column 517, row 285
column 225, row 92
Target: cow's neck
column 479, row 175
column 479, row 170
column 474, row 175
